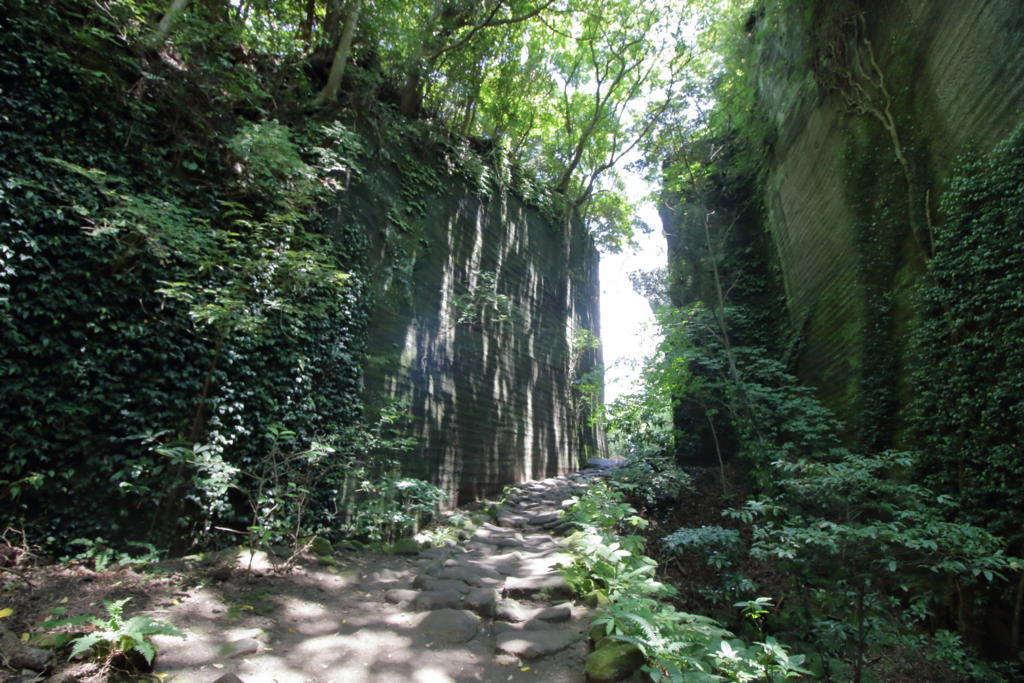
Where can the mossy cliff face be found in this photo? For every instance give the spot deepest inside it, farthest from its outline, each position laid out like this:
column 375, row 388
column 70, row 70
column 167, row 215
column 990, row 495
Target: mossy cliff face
column 866, row 109
column 479, row 298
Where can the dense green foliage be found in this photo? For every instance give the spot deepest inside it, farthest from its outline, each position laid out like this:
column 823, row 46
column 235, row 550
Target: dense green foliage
column 971, row 329
column 183, row 301
column 562, row 89
column 168, row 299
column 871, row 556
column 182, row 318
column 181, row 315
column 875, row 555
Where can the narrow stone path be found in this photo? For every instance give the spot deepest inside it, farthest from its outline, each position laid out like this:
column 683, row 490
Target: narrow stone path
column 493, row 607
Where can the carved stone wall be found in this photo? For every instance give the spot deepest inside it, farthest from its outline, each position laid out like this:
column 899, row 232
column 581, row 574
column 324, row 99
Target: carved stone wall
column 473, row 328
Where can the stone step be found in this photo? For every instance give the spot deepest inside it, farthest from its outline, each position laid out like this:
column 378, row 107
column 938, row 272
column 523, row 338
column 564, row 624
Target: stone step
column 401, row 596
column 504, row 563
column 513, row 611
column 426, row 582
column 480, row 577
column 552, row 585
column 432, row 600
column 483, row 601
column 500, row 540
column 451, row 626
column 535, row 643
column 516, row 556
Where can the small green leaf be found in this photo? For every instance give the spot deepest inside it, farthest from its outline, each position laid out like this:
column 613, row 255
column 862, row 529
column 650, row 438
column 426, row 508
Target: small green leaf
column 69, row 621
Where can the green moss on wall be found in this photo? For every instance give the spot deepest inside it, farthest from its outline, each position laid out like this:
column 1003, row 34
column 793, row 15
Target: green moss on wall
column 857, row 162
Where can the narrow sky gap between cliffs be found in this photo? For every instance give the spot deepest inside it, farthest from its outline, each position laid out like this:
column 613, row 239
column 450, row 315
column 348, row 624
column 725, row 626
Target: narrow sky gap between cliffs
column 627, row 322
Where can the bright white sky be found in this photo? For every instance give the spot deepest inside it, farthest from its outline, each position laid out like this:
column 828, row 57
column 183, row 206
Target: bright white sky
column 627, row 324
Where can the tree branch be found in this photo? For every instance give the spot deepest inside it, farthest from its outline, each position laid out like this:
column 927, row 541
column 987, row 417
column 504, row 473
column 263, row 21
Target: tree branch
column 488, row 22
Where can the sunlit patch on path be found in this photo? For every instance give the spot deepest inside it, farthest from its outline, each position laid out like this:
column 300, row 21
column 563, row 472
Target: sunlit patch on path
column 493, row 607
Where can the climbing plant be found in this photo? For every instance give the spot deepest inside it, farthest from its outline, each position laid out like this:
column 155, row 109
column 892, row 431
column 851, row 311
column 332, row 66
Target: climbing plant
column 483, row 305
column 969, row 333
column 155, row 299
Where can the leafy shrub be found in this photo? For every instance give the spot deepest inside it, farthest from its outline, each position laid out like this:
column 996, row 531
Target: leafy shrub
column 640, row 424
column 610, row 569
column 605, row 562
column 653, row 479
column 446, row 531
column 718, row 546
column 601, row 507
column 342, row 487
column 681, row 646
column 269, row 159
column 862, row 538
column 391, row 506
column 852, row 528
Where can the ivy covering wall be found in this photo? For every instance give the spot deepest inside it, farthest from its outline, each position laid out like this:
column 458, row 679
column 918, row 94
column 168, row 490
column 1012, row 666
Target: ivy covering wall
column 164, row 282
column 968, row 386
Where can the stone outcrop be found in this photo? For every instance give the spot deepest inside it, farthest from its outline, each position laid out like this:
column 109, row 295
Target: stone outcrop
column 844, row 209
column 480, row 300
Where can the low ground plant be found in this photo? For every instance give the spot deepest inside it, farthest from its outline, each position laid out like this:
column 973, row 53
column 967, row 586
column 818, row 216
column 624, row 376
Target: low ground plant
column 717, row 546
column 101, row 554
column 677, row 646
column 346, row 486
column 652, row 480
column 114, row 640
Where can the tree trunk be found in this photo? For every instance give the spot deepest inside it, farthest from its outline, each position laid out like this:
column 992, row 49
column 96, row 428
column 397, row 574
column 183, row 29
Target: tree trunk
column 329, row 94
column 163, row 29
column 468, row 117
column 306, row 30
column 409, row 98
column 332, row 23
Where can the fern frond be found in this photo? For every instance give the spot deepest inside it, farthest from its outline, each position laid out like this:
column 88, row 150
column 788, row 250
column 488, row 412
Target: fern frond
column 141, row 626
column 115, row 610
column 640, row 643
column 85, row 642
column 146, row 649
column 649, row 631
